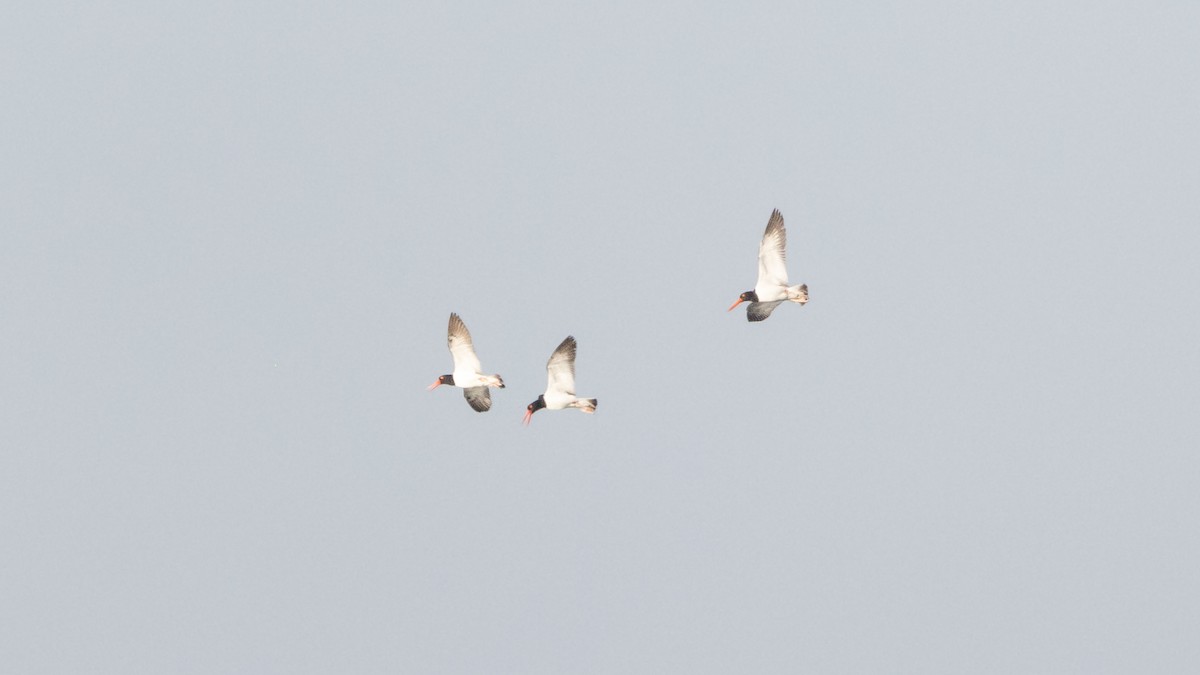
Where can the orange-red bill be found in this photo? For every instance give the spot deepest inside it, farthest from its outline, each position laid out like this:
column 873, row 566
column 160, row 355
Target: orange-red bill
column 739, row 301
column 528, row 416
column 437, row 383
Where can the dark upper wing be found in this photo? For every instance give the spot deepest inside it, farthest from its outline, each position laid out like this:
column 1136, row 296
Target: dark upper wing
column 479, row 398
column 757, row 311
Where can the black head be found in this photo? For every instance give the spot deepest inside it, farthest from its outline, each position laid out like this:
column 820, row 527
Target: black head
column 444, row 379
column 537, row 405
column 534, row 407
column 748, row 296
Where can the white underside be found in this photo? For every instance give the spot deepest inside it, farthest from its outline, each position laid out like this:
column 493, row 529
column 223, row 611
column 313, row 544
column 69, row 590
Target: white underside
column 556, row 400
column 472, row 379
column 776, row 293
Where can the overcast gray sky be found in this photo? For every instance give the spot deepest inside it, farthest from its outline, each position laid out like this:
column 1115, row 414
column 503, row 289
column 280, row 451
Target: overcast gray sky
column 233, row 233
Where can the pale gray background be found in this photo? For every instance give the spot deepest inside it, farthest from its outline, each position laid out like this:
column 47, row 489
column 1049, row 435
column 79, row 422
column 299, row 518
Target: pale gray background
column 232, row 235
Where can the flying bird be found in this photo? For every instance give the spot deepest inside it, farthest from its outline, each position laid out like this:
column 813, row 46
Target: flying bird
column 772, row 286
column 467, row 374
column 560, row 384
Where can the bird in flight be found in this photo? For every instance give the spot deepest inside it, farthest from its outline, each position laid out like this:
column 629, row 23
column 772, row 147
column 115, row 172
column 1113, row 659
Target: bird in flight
column 467, row 374
column 772, row 286
column 560, row 384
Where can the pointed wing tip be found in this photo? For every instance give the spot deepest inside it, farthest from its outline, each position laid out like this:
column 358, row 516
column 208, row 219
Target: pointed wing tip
column 564, row 354
column 457, row 327
column 776, row 221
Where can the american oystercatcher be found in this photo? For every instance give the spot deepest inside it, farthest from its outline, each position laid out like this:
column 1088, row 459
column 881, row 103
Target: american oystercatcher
column 467, row 374
column 560, row 384
column 772, row 286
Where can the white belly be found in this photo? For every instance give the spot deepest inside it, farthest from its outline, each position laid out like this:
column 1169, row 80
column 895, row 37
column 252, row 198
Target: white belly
column 467, row 379
column 771, row 292
column 557, row 400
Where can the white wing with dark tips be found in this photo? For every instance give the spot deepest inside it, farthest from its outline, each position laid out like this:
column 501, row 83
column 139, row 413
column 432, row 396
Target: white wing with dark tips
column 461, row 347
column 772, row 254
column 560, row 369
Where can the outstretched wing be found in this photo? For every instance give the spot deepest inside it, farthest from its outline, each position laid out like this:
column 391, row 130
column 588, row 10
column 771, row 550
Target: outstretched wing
column 461, row 348
column 758, row 311
column 479, row 398
column 560, row 369
column 772, row 254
